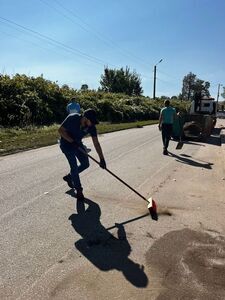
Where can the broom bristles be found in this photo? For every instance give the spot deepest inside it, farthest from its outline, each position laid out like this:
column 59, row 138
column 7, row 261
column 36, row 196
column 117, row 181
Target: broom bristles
column 153, row 210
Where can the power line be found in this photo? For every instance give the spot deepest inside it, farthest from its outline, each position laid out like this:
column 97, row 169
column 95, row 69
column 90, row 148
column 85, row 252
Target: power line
column 61, row 13
column 91, row 30
column 42, row 37
column 168, row 75
column 165, row 81
column 53, row 42
column 26, row 41
column 58, row 43
column 33, row 43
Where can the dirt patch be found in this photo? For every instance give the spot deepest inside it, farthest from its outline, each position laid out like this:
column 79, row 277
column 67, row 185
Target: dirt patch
column 164, row 212
column 189, row 264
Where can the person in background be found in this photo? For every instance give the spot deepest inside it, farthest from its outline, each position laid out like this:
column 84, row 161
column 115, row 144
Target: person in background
column 73, row 106
column 72, row 130
column 166, row 120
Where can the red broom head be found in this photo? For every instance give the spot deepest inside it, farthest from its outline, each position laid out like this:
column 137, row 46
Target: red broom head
column 153, row 210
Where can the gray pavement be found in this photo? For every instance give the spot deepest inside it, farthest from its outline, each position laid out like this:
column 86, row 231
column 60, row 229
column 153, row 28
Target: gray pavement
column 54, row 248
column 221, row 125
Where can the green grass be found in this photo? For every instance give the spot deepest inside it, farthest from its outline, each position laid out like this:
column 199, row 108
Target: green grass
column 13, row 140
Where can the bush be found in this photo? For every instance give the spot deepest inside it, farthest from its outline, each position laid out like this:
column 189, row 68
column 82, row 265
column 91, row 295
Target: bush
column 33, row 101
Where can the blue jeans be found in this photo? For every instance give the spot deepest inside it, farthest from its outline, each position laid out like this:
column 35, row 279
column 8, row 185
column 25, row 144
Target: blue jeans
column 72, row 157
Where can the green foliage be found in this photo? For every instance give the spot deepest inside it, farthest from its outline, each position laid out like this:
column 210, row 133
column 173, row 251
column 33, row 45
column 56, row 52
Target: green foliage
column 121, row 81
column 28, row 101
column 193, row 85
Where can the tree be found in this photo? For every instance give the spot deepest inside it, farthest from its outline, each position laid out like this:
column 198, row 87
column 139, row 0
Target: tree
column 121, row 81
column 84, row 87
column 193, row 85
column 27, row 100
column 223, row 94
column 164, row 97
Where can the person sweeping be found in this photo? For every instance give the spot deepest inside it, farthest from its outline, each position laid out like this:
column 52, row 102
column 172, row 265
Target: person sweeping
column 72, row 130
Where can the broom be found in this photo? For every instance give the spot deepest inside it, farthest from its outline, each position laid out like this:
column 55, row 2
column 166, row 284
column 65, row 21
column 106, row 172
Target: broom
column 180, row 143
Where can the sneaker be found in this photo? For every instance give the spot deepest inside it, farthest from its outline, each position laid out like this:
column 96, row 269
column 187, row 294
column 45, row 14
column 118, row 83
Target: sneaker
column 165, row 152
column 80, row 195
column 68, row 180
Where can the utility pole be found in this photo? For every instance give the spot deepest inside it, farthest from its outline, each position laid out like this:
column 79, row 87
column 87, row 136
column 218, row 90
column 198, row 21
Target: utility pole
column 218, row 95
column 154, row 83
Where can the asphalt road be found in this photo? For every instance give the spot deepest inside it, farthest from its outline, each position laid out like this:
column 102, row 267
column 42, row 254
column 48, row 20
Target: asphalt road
column 53, row 248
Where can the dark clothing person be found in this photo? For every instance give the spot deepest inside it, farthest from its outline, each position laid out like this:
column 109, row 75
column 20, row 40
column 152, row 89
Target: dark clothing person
column 73, row 125
column 72, row 131
column 166, row 120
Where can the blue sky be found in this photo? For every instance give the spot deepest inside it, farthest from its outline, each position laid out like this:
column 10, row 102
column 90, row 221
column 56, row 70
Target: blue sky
column 71, row 41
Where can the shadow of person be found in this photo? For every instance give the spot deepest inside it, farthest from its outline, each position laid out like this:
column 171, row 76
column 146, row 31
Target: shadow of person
column 191, row 142
column 188, row 161
column 101, row 248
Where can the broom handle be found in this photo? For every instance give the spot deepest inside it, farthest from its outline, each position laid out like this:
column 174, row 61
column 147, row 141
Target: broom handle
column 114, row 175
column 181, row 129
